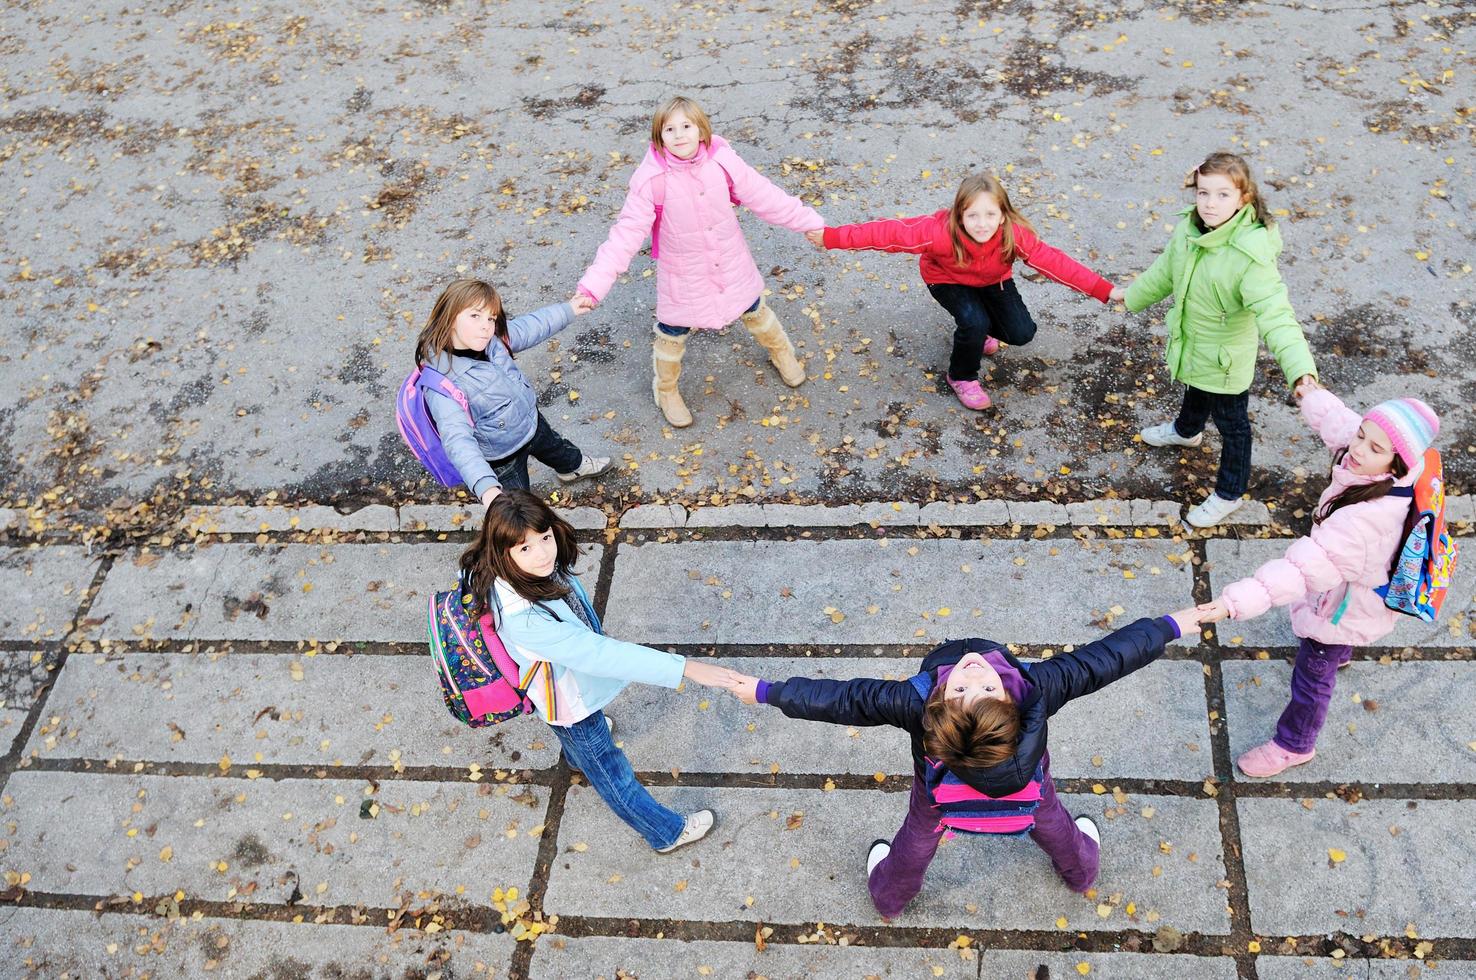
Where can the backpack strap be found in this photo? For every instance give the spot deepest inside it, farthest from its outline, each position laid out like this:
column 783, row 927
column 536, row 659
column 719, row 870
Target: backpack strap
column 1402, row 492
column 433, row 380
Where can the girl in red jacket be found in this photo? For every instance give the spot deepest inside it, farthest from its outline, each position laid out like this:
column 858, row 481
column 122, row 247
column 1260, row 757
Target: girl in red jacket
column 968, row 254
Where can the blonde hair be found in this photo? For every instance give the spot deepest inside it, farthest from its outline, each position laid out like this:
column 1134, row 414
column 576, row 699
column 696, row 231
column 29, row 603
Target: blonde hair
column 1239, row 172
column 691, row 110
column 971, row 187
column 439, row 331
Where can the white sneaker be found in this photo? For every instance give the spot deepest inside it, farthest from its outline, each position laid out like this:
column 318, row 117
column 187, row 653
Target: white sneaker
column 876, row 854
column 1088, row 826
column 1164, row 434
column 589, row 466
column 698, row 824
column 1213, row 510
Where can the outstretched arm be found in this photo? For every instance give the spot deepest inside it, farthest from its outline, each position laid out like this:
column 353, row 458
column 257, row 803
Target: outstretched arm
column 863, row 701
column 1068, row 676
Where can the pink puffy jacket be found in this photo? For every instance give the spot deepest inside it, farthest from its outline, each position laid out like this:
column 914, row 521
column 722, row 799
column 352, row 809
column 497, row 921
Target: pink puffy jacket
column 705, row 277
column 1346, row 556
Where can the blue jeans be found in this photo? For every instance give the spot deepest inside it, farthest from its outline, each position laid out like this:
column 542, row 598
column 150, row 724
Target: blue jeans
column 589, row 748
column 978, row 312
column 671, row 331
column 1232, row 417
column 546, row 446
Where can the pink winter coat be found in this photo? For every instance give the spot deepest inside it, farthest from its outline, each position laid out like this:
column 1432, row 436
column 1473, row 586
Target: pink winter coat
column 1346, row 556
column 705, row 276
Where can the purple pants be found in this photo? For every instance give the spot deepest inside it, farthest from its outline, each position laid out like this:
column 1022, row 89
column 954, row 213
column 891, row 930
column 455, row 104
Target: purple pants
column 899, row 877
column 1313, row 678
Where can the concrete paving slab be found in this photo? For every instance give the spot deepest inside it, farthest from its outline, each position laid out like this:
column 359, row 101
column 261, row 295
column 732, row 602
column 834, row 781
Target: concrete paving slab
column 899, row 513
column 1361, row 968
column 913, row 590
column 1010, row 964
column 731, row 515
column 223, row 839
column 1091, row 512
column 1228, row 561
column 468, row 517
column 279, row 592
column 1372, row 867
column 51, row 944
column 799, row 854
column 1099, row 737
column 310, row 517
column 1160, row 512
column 1386, row 723
column 608, row 958
column 654, row 516
column 11, row 720
column 1030, row 512
column 24, row 676
column 44, row 587
column 277, row 709
column 979, row 513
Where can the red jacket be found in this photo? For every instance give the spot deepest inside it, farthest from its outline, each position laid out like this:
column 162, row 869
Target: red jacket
column 928, row 236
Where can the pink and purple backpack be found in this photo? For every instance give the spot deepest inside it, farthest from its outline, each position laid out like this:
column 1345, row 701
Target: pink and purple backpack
column 417, row 427
column 479, row 679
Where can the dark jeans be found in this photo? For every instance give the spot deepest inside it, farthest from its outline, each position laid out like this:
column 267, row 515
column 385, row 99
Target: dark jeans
column 1232, row 417
column 899, row 876
column 671, row 331
column 546, row 446
column 589, row 748
column 1313, row 678
column 979, row 312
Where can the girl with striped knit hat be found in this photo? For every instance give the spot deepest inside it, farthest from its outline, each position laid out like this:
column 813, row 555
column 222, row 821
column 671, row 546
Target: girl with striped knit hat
column 1329, row 576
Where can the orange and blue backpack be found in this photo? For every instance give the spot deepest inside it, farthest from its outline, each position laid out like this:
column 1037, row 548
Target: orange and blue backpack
column 1426, row 560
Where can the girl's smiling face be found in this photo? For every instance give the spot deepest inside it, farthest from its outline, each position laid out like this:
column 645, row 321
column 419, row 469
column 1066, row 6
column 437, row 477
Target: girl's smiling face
column 973, row 678
column 1217, row 199
column 680, row 136
column 1371, row 453
column 473, row 328
column 537, row 554
column 982, row 217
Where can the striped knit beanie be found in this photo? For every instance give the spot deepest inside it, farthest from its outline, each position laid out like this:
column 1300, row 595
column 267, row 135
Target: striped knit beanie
column 1411, row 424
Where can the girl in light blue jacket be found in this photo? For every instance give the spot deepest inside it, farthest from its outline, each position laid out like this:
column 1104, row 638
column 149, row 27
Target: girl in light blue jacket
column 523, row 564
column 489, row 441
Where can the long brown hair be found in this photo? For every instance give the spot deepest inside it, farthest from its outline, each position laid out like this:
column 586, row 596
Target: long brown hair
column 979, row 735
column 437, row 334
column 972, row 186
column 1239, row 173
column 509, row 519
column 1366, row 491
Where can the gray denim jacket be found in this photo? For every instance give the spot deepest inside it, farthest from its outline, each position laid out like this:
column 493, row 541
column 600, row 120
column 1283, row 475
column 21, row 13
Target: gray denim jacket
column 504, row 406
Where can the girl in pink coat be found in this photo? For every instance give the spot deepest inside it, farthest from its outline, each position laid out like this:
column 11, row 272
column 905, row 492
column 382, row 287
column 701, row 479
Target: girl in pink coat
column 684, row 195
column 1329, row 576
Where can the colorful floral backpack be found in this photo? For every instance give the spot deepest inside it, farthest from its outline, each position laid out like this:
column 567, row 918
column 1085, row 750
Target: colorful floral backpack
column 1426, row 560
column 479, row 680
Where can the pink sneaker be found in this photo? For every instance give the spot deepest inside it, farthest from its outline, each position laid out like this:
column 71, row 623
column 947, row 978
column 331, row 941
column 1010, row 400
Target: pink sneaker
column 970, row 394
column 991, row 346
column 1270, row 759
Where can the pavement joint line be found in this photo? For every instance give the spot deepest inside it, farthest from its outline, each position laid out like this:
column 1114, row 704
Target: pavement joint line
column 274, row 772
column 16, row 756
column 548, row 849
column 475, row 918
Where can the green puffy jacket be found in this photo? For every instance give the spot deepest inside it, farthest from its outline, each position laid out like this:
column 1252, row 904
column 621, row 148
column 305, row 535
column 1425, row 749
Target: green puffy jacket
column 1227, row 296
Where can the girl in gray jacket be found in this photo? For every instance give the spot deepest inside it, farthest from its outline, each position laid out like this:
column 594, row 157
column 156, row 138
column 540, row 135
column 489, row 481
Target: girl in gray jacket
column 489, row 441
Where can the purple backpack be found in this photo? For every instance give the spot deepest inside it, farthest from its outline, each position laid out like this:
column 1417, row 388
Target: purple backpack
column 417, row 427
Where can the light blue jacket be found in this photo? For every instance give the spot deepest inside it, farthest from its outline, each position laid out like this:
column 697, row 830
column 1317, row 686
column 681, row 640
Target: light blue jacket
column 569, row 670
column 504, row 406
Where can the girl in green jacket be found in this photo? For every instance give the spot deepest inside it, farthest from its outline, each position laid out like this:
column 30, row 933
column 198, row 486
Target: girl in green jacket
column 1220, row 266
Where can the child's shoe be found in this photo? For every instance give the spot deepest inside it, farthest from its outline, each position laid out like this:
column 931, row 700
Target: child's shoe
column 589, row 466
column 698, row 824
column 877, row 853
column 1213, row 510
column 1088, row 826
column 970, row 394
column 991, row 346
column 1270, row 759
column 1164, row 434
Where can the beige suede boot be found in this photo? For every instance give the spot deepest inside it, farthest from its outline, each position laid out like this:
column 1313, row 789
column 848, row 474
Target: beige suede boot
column 769, row 332
column 666, row 368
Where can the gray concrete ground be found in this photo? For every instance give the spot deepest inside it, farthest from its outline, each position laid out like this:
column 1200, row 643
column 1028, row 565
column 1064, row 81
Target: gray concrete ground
column 224, row 752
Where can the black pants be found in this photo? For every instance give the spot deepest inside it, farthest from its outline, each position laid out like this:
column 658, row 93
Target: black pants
column 1232, row 417
column 982, row 311
column 546, row 446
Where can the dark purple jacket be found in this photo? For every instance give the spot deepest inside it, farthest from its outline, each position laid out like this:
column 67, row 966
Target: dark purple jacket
column 1047, row 686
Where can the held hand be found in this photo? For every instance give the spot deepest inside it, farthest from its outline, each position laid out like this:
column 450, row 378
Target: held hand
column 1305, row 383
column 709, row 674
column 1117, row 294
column 746, row 688
column 817, row 238
column 490, row 494
column 1188, row 622
column 582, row 303
column 1213, row 611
